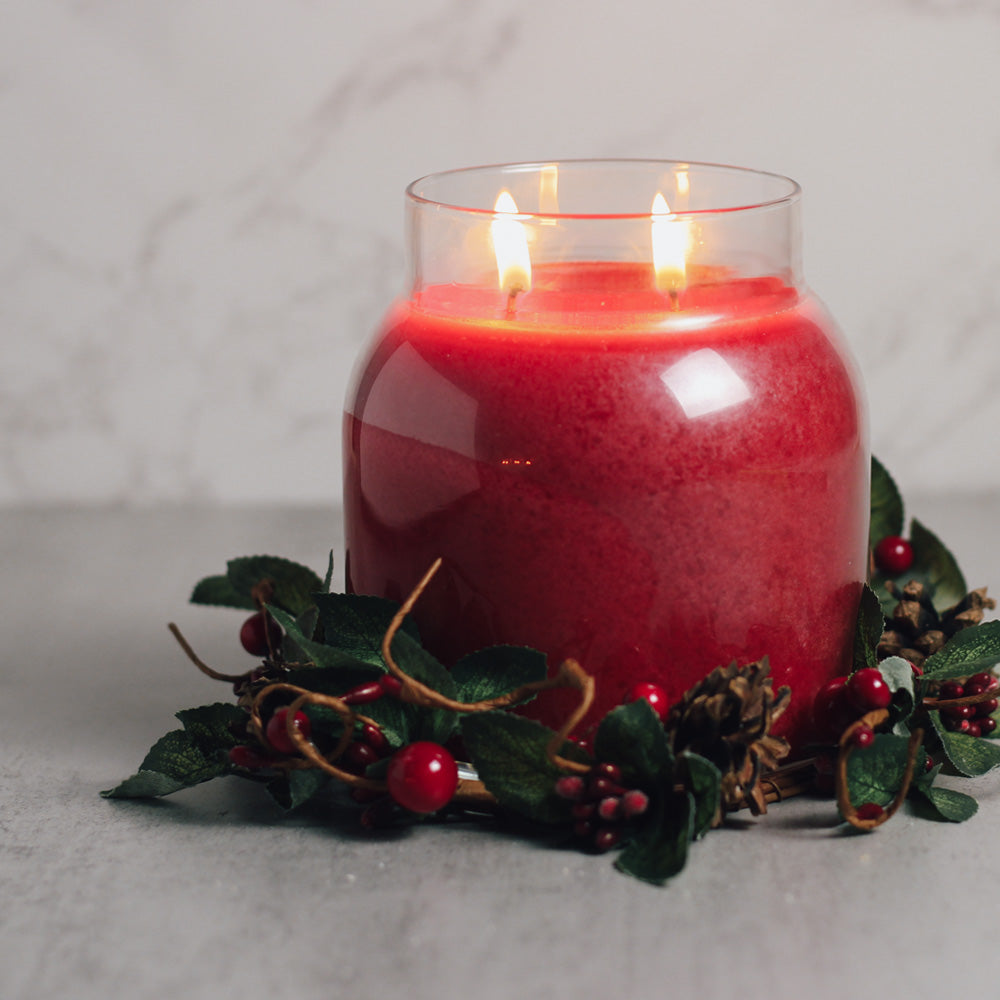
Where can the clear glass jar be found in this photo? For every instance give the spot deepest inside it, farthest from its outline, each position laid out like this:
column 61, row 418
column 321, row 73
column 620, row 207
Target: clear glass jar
column 651, row 460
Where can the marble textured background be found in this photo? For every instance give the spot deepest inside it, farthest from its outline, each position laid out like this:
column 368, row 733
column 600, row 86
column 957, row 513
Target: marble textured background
column 201, row 206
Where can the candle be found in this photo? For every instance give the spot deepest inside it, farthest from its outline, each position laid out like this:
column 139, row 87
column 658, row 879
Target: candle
column 637, row 450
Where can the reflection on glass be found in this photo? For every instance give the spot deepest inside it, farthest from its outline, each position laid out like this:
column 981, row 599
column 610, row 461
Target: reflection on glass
column 704, row 382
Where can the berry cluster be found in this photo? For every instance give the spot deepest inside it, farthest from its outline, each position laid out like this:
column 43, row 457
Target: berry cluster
column 602, row 806
column 370, row 746
column 973, row 720
column 844, row 700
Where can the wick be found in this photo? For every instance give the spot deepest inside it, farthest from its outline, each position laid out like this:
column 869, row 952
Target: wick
column 675, row 298
column 512, row 295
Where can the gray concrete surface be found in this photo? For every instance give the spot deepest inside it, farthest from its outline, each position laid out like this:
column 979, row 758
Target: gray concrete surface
column 213, row 894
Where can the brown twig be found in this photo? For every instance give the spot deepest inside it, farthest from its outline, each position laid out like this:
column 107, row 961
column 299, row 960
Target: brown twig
column 847, row 746
column 973, row 699
column 202, row 666
column 569, row 675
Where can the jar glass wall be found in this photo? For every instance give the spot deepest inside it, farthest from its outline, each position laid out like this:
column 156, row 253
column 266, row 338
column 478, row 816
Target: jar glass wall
column 628, row 428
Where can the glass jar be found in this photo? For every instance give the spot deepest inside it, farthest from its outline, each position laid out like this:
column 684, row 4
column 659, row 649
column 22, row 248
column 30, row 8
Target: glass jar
column 630, row 431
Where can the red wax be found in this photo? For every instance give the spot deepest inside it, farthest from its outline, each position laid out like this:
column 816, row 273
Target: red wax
column 651, row 491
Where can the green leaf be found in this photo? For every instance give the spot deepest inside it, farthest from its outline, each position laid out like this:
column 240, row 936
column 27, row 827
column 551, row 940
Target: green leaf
column 436, row 725
column 319, row 653
column 144, row 785
column 508, row 752
column 933, row 563
column 875, row 773
column 305, row 627
column 297, row 787
column 176, row 761
column 633, row 737
column 212, row 727
column 355, row 624
column 704, row 780
column 969, row 755
column 294, row 584
column 868, row 629
column 886, row 505
column 948, row 805
column 217, row 590
column 969, row 651
column 660, row 847
column 395, row 718
column 898, row 675
column 495, row 671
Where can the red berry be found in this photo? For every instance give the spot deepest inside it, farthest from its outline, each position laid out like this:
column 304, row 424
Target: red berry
column 363, row 694
column 390, row 684
column 375, row 738
column 832, row 712
column 654, row 694
column 610, row 808
column 599, row 788
column 951, row 690
column 277, row 733
column 583, row 828
column 868, row 690
column 984, row 679
column 583, row 810
column 893, row 555
column 257, row 631
column 870, row 810
column 360, row 755
column 864, row 736
column 610, row 771
column 570, row 786
column 606, row 837
column 959, row 712
column 422, row 777
column 243, row 756
column 987, row 725
column 974, row 730
column 972, row 688
column 634, row 802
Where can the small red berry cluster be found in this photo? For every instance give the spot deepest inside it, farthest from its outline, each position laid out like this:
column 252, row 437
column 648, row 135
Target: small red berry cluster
column 973, row 720
column 843, row 700
column 422, row 777
column 602, row 806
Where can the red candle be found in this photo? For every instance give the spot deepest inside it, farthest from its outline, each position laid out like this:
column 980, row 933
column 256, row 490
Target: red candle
column 650, row 478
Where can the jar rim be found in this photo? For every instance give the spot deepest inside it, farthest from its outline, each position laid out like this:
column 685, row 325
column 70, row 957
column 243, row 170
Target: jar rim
column 417, row 195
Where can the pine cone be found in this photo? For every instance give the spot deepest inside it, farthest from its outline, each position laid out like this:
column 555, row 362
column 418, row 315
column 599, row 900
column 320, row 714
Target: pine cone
column 915, row 630
column 727, row 718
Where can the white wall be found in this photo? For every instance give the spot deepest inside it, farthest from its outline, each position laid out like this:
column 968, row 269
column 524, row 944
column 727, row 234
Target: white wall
column 201, row 205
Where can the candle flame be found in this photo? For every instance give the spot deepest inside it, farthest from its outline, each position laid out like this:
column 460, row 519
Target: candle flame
column 670, row 237
column 510, row 244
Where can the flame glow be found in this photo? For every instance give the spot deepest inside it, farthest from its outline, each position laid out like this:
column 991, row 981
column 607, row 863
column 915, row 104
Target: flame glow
column 670, row 237
column 548, row 190
column 510, row 244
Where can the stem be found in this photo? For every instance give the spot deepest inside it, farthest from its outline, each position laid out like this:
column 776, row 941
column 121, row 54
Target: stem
column 202, row 666
column 569, row 675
